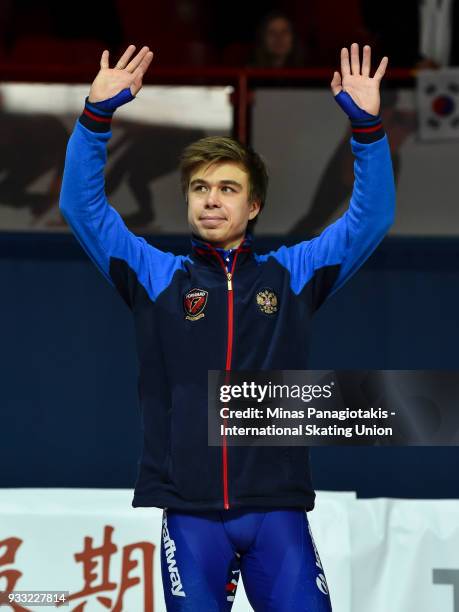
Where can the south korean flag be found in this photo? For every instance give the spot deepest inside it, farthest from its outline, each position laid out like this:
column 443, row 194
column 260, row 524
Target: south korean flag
column 438, row 104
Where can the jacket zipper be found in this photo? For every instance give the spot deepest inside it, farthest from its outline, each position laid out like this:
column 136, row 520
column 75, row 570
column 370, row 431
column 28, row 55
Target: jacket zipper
column 229, row 354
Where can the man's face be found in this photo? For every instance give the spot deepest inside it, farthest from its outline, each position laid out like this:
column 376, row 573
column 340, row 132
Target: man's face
column 279, row 38
column 218, row 204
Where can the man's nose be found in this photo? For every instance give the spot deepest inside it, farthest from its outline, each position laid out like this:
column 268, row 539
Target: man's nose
column 212, row 197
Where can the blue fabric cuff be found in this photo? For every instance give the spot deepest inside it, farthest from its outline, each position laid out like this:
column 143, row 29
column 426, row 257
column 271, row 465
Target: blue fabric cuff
column 366, row 128
column 354, row 112
column 111, row 104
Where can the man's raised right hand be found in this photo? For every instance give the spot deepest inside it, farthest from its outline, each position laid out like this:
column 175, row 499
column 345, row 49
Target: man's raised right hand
column 127, row 74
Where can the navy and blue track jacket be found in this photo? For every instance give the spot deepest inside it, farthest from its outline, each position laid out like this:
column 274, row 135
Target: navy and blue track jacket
column 191, row 317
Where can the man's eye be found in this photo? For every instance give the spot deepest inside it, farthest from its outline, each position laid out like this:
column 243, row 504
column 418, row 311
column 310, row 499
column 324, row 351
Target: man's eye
column 200, row 188
column 227, row 189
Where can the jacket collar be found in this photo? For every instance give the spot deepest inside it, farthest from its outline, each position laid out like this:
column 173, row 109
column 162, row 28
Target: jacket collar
column 206, row 252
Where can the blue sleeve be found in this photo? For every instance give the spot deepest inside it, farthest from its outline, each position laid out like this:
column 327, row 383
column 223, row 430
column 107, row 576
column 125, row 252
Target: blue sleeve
column 97, row 226
column 345, row 245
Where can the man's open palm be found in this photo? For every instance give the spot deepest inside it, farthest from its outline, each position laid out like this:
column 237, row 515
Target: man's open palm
column 128, row 73
column 356, row 81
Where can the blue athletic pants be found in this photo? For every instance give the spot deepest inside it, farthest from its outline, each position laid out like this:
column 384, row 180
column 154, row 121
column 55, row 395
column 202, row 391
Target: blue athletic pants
column 203, row 554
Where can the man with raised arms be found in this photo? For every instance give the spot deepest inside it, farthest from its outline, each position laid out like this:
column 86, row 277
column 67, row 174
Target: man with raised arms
column 222, row 307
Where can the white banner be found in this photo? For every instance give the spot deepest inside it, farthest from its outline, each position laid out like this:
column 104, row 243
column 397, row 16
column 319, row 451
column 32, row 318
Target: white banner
column 305, row 140
column 142, row 178
column 378, row 555
column 302, row 134
column 405, row 555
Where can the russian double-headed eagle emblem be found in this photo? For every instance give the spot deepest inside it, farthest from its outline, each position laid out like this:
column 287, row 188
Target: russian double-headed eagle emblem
column 267, row 301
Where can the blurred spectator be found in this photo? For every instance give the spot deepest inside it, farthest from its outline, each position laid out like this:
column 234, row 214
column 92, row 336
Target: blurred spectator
column 321, row 26
column 277, row 44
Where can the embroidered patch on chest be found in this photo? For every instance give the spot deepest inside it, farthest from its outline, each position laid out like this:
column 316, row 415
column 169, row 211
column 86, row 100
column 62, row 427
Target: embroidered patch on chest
column 267, row 301
column 194, row 303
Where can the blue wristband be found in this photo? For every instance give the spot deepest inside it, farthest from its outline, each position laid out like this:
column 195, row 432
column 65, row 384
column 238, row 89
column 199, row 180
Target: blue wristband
column 97, row 116
column 351, row 109
column 111, row 104
column 366, row 128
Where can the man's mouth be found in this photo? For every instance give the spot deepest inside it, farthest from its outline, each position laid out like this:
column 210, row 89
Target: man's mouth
column 211, row 221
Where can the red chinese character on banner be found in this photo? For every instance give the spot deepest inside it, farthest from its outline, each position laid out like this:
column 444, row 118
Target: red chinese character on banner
column 94, row 583
column 11, row 576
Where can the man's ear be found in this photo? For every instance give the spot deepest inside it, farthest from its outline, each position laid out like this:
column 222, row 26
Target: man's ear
column 255, row 207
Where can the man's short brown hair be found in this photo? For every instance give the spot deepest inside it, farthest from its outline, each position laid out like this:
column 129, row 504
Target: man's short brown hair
column 216, row 149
